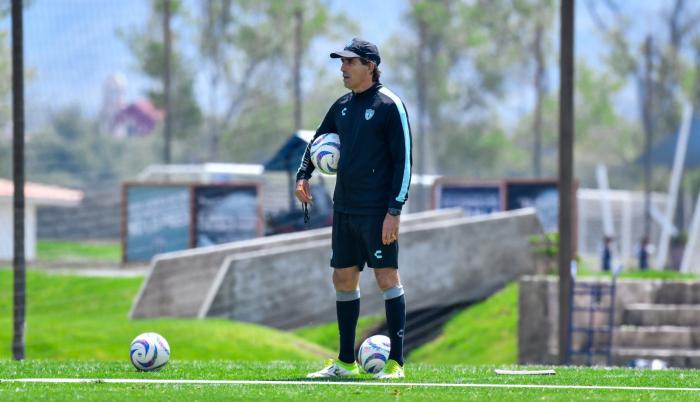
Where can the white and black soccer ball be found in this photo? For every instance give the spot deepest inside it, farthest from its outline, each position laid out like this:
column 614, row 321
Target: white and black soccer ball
column 325, row 153
column 149, row 351
column 374, row 353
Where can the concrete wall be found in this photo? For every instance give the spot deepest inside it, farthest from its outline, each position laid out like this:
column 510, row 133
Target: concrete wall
column 97, row 217
column 538, row 320
column 179, row 283
column 441, row 263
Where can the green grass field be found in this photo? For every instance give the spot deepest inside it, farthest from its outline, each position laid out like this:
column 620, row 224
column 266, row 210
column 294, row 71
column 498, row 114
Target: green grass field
column 77, row 327
column 58, row 250
column 486, row 333
column 506, row 388
column 68, row 315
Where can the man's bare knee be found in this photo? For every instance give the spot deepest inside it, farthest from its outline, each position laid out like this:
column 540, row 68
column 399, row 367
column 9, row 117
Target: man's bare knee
column 346, row 279
column 387, row 278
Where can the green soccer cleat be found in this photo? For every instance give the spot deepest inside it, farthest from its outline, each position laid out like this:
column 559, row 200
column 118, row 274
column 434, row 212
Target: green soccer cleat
column 391, row 370
column 336, row 368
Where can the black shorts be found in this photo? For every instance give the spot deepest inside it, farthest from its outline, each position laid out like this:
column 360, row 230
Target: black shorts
column 357, row 239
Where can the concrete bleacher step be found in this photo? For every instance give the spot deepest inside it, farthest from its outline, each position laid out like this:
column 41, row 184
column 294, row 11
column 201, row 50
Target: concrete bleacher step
column 649, row 314
column 662, row 337
column 679, row 292
column 674, row 357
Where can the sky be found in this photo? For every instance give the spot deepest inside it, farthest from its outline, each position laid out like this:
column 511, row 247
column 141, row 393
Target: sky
column 72, row 46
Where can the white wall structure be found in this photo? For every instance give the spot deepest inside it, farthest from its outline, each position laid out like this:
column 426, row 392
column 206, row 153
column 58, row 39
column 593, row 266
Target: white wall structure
column 606, row 211
column 627, row 218
column 7, row 230
column 35, row 195
column 691, row 254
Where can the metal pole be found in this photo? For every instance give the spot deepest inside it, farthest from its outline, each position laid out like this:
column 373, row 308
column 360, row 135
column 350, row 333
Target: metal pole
column 422, row 96
column 166, row 83
column 566, row 167
column 18, row 261
column 648, row 132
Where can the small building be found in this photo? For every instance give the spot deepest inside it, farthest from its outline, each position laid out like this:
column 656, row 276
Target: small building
column 35, row 195
column 137, row 119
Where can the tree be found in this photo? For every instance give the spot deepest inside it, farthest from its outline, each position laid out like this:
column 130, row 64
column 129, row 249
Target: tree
column 217, row 16
column 627, row 59
column 245, row 43
column 660, row 70
column 534, row 22
column 148, row 46
column 62, row 152
column 67, row 152
column 603, row 134
column 458, row 58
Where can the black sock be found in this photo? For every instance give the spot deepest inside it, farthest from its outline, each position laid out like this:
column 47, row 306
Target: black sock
column 396, row 323
column 348, row 313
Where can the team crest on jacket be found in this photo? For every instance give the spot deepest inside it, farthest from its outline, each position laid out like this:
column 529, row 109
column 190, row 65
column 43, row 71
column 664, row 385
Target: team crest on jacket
column 369, row 113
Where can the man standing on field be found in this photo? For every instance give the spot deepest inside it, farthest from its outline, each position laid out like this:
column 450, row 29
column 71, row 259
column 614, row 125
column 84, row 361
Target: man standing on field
column 374, row 174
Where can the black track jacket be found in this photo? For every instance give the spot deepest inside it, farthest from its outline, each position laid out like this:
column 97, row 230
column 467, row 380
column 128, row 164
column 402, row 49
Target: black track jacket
column 374, row 171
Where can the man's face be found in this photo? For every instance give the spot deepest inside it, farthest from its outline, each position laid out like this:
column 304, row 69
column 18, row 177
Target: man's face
column 355, row 74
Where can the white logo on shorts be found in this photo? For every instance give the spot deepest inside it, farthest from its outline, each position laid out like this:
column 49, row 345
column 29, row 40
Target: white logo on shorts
column 378, row 254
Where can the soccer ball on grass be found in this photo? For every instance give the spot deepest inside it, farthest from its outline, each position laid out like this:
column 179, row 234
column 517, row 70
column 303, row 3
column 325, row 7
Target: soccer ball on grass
column 149, row 351
column 374, row 353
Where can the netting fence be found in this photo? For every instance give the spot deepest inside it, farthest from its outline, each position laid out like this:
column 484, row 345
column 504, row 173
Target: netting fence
column 175, row 106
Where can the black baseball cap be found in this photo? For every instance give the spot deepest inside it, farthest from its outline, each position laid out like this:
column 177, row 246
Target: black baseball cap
column 359, row 48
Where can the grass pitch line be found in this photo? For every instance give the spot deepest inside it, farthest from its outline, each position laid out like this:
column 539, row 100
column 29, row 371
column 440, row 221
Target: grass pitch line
column 525, row 372
column 346, row 383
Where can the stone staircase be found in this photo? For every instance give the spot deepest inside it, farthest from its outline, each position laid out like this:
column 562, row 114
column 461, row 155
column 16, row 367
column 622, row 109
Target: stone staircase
column 654, row 319
column 666, row 331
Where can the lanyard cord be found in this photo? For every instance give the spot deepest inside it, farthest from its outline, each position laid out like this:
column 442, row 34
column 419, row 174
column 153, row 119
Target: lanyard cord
column 306, row 213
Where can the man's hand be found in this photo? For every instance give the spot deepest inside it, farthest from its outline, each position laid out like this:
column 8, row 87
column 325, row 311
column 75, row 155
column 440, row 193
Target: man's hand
column 390, row 229
column 302, row 191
